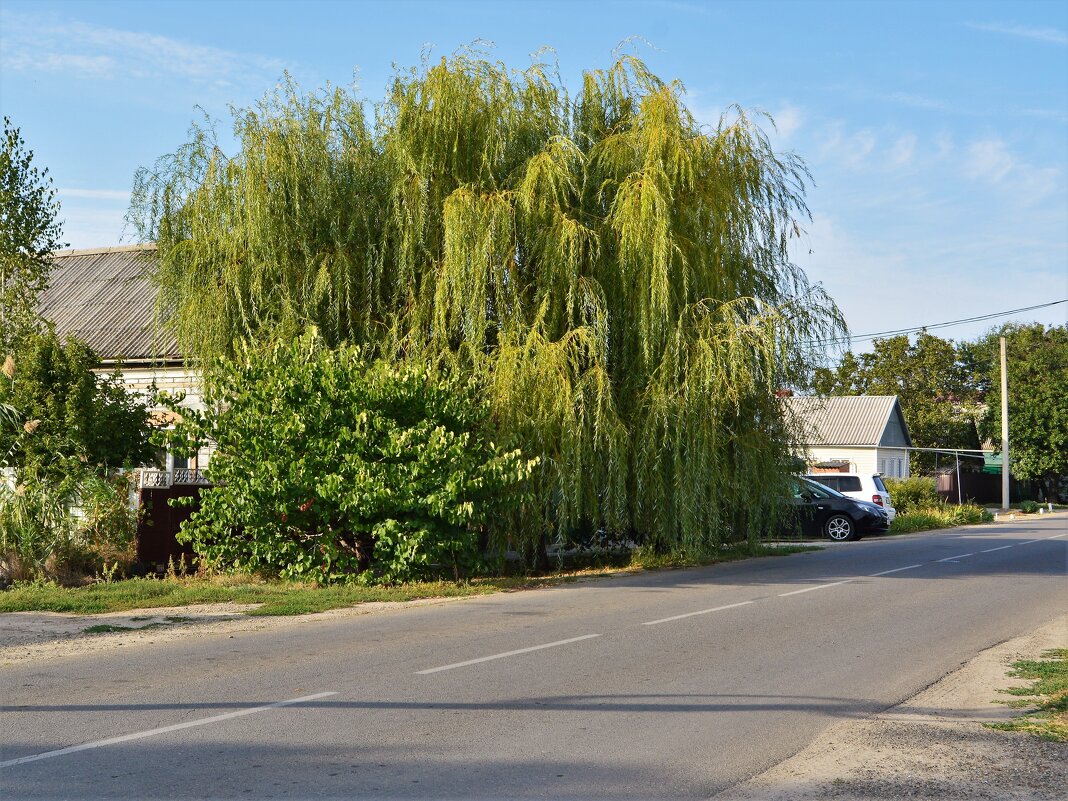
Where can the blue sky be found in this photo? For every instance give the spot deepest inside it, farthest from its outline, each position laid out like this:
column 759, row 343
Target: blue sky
column 936, row 132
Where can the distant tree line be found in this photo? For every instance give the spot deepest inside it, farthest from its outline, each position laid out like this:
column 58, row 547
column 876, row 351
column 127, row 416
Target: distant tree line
column 951, row 394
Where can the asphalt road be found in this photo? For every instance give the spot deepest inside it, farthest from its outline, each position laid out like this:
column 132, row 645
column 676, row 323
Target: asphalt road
column 674, row 685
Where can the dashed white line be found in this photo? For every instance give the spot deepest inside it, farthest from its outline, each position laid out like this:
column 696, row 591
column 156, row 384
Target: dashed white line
column 1031, row 542
column 895, row 570
column 163, row 730
column 991, row 550
column 692, row 614
column 505, row 654
column 818, row 587
column 953, row 558
column 1058, row 536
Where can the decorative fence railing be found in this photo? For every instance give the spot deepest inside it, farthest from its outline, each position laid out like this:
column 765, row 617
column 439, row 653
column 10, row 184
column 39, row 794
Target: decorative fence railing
column 162, row 479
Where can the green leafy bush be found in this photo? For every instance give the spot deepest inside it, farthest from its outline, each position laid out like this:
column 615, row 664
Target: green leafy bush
column 60, row 409
column 330, row 467
column 940, row 516
column 908, row 494
column 1029, row 507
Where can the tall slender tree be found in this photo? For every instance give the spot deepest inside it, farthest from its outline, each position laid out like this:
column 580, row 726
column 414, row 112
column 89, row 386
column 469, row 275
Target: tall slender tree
column 614, row 276
column 29, row 233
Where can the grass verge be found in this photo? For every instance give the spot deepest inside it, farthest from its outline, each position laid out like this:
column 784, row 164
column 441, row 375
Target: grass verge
column 283, row 598
column 1048, row 691
column 939, row 517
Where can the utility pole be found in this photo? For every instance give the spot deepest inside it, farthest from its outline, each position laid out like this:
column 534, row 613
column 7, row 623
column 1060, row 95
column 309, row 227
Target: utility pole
column 1004, row 429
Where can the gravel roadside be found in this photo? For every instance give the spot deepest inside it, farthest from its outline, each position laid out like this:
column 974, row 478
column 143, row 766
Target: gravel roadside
column 933, row 746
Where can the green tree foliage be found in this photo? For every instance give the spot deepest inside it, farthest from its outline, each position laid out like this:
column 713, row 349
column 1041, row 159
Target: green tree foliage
column 329, row 466
column 29, row 232
column 934, row 381
column 64, row 414
column 1037, row 361
column 612, row 277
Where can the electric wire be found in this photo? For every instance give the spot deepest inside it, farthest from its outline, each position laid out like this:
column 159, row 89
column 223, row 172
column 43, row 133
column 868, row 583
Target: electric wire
column 962, row 321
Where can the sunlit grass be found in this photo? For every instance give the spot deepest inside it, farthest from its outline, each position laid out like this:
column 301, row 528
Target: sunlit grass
column 1048, row 692
column 289, row 598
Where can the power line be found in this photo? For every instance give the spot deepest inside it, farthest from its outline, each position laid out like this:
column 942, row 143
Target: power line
column 962, row 321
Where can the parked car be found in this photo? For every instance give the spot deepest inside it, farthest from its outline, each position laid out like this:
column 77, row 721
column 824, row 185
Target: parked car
column 868, row 487
column 822, row 511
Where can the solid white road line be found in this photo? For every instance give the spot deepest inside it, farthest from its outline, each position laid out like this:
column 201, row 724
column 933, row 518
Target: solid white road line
column 1058, row 536
column 991, row 550
column 691, row 614
column 953, row 558
column 505, row 654
column 819, row 587
column 165, row 729
column 895, row 570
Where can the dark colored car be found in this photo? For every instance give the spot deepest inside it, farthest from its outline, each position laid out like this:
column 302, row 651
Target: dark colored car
column 821, row 511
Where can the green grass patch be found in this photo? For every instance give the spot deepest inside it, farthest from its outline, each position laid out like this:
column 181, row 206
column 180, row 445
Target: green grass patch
column 1048, row 692
column 107, row 628
column 290, row 598
column 946, row 516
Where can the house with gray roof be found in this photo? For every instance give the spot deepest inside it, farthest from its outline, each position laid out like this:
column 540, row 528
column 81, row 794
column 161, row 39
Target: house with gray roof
column 858, row 433
column 106, row 298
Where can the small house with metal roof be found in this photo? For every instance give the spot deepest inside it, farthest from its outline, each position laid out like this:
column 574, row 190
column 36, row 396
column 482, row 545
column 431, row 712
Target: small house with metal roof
column 854, row 433
column 106, row 298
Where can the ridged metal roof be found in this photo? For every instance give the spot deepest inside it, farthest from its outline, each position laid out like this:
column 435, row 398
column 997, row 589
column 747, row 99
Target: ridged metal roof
column 846, row 420
column 105, row 298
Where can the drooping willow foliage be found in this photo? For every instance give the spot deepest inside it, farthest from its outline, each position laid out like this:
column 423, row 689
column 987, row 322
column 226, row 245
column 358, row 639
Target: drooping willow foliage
column 614, row 277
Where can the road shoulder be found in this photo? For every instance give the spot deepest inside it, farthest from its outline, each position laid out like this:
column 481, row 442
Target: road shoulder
column 932, row 746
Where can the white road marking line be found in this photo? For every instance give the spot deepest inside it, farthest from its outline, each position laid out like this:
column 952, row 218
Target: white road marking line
column 505, row 654
column 954, row 558
column 1029, row 542
column 991, row 550
column 691, row 614
column 1057, row 536
column 895, row 570
column 818, row 587
column 163, row 730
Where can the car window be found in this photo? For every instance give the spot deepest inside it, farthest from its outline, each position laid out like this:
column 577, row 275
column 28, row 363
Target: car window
column 827, row 481
column 849, row 483
column 818, row 490
column 879, row 484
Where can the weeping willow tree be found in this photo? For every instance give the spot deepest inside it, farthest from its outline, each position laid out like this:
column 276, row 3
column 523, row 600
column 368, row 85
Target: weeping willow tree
column 614, row 277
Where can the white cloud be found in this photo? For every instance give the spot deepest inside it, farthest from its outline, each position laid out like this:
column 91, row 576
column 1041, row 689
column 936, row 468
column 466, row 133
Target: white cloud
column 96, row 194
column 915, row 101
column 788, row 120
column 847, row 149
column 989, row 160
column 79, row 49
column 1049, row 35
column 902, row 151
column 93, row 226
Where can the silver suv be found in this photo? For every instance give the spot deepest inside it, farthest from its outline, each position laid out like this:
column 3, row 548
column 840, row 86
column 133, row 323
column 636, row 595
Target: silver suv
column 862, row 486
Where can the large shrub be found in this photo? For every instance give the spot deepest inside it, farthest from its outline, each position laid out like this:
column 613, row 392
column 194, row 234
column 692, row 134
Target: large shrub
column 329, row 467
column 911, row 494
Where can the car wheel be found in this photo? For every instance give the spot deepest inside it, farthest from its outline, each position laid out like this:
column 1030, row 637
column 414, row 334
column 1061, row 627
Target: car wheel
column 840, row 527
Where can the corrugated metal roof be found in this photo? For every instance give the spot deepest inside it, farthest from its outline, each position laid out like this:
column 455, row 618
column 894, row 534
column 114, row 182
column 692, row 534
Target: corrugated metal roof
column 105, row 298
column 844, row 420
